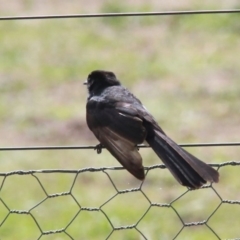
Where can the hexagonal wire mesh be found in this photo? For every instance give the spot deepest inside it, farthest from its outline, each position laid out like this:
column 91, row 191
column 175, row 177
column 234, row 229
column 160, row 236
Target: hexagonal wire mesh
column 69, row 215
column 134, row 211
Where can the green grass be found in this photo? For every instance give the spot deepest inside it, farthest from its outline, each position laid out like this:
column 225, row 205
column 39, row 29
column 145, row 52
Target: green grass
column 185, row 69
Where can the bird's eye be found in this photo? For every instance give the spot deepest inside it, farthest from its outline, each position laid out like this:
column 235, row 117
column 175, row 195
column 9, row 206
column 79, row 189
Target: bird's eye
column 90, row 81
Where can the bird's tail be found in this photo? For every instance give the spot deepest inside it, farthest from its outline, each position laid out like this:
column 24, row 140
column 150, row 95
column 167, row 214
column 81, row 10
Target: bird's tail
column 187, row 169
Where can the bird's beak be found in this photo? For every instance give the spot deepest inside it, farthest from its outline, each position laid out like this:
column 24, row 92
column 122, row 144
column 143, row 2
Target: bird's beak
column 85, row 83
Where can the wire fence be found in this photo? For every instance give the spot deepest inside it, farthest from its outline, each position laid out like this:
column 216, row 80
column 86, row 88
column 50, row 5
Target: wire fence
column 36, row 212
column 47, row 208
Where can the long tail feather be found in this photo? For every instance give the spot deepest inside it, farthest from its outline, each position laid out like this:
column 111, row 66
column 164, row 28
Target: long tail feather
column 187, row 169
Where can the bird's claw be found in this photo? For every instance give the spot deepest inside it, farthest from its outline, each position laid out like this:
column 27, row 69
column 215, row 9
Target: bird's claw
column 98, row 148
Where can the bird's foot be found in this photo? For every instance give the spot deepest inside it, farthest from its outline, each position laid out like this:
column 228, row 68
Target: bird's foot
column 98, row 148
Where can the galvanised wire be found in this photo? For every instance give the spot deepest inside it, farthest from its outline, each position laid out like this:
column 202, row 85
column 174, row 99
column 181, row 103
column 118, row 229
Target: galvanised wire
column 30, row 148
column 105, row 170
column 125, row 14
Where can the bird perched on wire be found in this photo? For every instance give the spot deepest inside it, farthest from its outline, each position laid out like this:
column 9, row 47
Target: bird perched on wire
column 120, row 122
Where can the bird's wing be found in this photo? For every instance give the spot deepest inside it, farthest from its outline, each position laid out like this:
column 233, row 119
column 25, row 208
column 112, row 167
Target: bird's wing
column 139, row 111
column 120, row 117
column 119, row 131
column 122, row 149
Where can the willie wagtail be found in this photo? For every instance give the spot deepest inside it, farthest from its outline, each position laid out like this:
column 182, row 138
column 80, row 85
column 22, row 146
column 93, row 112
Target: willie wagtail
column 120, row 122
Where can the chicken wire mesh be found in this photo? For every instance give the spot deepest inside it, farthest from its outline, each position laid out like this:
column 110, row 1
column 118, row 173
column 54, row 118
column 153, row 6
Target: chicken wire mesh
column 29, row 202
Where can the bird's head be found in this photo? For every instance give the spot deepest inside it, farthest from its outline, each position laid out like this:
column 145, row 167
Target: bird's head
column 99, row 80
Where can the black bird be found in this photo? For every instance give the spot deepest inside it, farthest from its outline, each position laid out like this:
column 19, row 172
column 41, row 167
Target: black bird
column 120, row 122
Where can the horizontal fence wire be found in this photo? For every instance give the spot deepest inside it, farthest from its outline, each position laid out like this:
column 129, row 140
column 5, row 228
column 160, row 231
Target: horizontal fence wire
column 126, row 14
column 101, row 169
column 31, row 148
column 40, row 214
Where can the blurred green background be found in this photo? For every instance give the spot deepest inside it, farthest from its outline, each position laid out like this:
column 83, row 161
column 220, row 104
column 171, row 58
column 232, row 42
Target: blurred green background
column 185, row 70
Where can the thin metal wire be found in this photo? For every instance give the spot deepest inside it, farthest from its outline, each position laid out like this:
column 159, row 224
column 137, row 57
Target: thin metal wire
column 32, row 148
column 97, row 169
column 128, row 14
